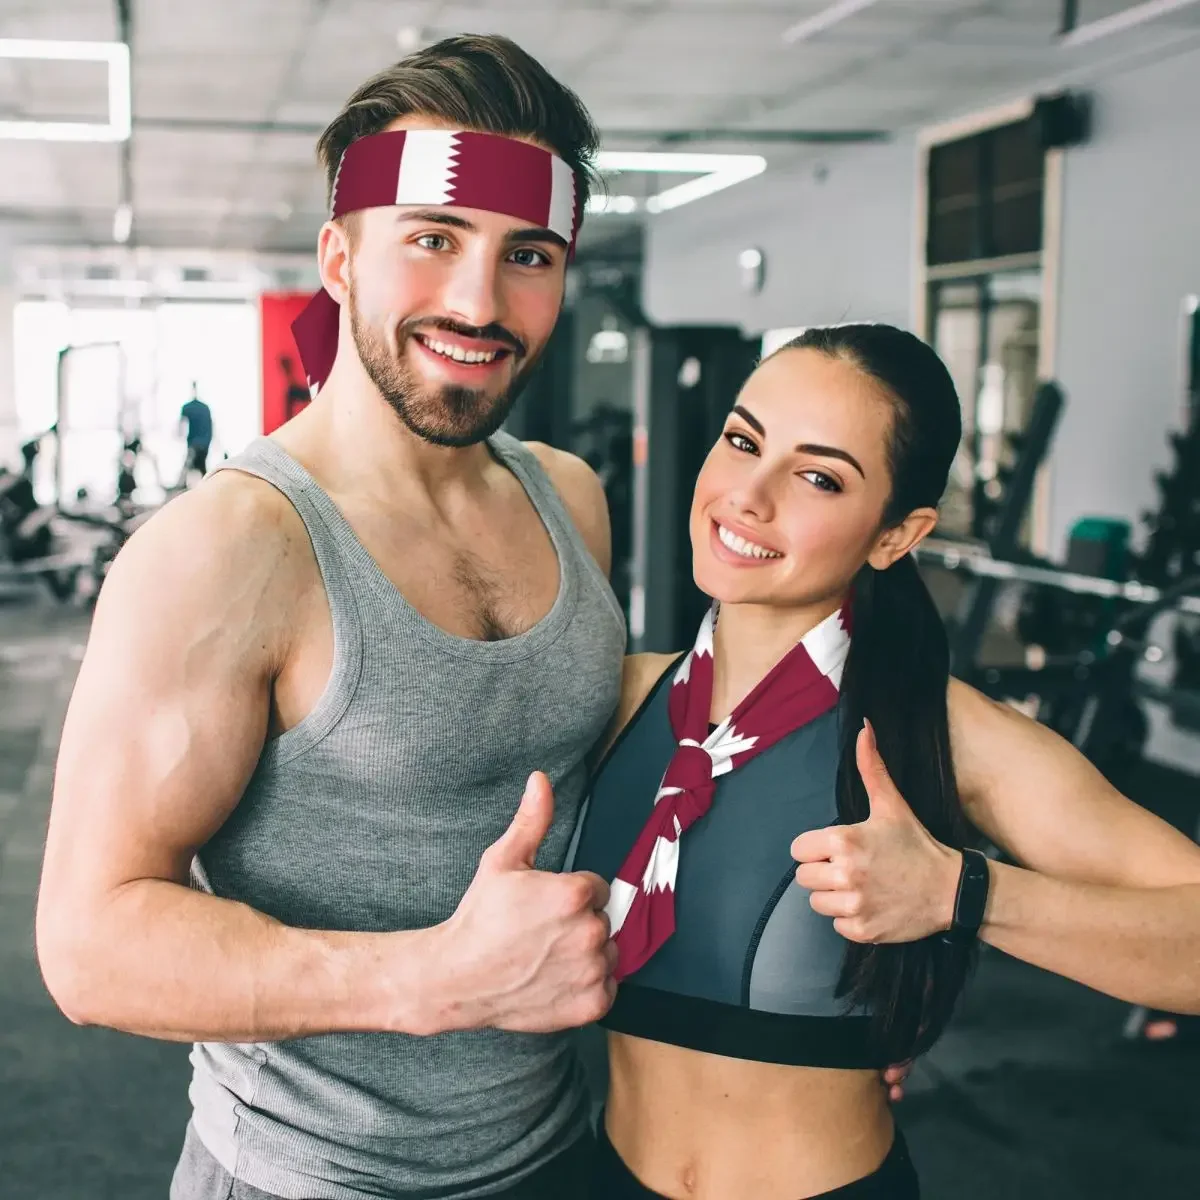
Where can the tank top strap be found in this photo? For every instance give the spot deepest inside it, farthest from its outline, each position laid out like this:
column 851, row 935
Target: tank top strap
column 553, row 511
column 527, row 467
column 338, row 553
column 334, row 542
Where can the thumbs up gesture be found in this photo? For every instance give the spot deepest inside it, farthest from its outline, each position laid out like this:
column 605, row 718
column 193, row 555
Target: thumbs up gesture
column 517, row 847
column 885, row 879
column 527, row 950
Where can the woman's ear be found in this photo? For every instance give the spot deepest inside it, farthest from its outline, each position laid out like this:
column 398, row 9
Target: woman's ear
column 894, row 543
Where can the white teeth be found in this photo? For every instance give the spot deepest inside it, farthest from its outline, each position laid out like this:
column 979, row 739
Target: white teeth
column 739, row 545
column 458, row 353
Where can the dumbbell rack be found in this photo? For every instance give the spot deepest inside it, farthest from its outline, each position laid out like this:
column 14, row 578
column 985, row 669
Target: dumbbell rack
column 976, row 559
column 1091, row 693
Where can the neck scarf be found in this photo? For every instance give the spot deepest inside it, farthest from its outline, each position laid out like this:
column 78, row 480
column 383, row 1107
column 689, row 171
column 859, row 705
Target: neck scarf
column 802, row 686
column 435, row 168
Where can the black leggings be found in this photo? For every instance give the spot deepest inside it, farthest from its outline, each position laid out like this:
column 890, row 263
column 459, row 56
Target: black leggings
column 894, row 1180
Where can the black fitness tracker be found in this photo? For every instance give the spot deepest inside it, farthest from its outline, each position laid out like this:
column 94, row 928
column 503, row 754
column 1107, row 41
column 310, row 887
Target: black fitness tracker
column 970, row 901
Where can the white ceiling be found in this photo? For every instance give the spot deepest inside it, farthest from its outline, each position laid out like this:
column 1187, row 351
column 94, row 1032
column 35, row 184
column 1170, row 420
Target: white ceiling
column 228, row 95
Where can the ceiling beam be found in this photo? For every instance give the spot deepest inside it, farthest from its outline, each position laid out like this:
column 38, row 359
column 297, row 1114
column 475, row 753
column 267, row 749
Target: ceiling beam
column 668, row 136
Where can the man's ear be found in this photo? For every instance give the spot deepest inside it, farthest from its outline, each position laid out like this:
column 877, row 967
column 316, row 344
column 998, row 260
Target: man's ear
column 333, row 260
column 894, row 543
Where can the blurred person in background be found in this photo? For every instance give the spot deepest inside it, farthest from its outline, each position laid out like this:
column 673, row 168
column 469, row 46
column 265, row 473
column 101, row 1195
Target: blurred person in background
column 196, row 424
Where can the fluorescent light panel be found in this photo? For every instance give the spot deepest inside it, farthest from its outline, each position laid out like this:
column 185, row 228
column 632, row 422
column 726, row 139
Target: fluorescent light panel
column 122, row 223
column 716, row 172
column 835, row 14
column 1118, row 22
column 120, row 105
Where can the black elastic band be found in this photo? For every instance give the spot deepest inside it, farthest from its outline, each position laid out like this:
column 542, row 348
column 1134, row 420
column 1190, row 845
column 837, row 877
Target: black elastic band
column 697, row 1023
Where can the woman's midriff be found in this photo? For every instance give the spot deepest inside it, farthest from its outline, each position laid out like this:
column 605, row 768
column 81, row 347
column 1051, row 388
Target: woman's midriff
column 697, row 1126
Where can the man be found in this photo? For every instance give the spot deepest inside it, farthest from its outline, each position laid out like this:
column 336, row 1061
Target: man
column 316, row 687
column 196, row 416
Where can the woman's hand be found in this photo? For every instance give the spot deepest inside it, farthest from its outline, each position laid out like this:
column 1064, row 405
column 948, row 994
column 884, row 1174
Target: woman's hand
column 885, row 879
column 894, row 1079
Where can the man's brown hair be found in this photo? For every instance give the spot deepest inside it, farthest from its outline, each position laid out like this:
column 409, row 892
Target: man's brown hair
column 484, row 83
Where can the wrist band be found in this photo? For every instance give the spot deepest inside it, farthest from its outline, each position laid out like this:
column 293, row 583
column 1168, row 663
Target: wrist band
column 970, row 901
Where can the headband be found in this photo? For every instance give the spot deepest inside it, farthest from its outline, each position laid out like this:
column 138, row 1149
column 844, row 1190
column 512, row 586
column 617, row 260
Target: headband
column 438, row 167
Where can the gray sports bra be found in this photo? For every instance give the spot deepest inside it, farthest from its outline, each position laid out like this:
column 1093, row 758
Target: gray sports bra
column 751, row 970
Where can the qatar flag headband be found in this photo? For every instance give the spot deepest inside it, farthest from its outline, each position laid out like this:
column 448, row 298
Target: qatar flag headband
column 442, row 167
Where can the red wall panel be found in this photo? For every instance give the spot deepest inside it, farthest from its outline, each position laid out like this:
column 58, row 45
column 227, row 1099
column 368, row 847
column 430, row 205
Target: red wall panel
column 284, row 389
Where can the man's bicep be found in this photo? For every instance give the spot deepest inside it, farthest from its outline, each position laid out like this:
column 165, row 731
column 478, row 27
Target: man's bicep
column 166, row 722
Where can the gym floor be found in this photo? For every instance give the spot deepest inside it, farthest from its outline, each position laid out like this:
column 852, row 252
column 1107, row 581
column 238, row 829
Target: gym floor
column 1032, row 1094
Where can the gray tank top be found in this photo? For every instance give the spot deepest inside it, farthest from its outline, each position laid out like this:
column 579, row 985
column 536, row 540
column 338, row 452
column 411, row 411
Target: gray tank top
column 371, row 815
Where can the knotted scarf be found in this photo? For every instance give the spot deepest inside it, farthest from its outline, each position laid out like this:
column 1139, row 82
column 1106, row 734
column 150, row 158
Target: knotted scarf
column 802, row 686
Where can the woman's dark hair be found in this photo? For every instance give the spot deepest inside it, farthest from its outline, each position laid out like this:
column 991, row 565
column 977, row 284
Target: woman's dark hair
column 896, row 676
column 485, row 83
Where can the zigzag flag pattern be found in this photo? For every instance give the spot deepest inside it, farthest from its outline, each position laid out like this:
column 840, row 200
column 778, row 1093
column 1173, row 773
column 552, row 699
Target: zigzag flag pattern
column 801, row 687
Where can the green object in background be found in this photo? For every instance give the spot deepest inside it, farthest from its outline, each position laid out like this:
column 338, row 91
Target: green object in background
column 1099, row 546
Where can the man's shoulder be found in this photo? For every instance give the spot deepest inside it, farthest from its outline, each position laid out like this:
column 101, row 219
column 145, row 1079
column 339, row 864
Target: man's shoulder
column 568, row 472
column 234, row 524
column 229, row 557
column 582, row 493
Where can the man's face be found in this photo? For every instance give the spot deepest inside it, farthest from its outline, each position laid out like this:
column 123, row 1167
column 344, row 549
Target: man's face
column 450, row 309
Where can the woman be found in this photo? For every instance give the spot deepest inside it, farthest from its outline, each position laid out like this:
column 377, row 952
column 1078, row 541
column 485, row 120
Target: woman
column 759, row 998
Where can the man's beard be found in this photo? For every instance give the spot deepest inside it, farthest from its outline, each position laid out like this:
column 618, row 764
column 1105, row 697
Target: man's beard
column 447, row 415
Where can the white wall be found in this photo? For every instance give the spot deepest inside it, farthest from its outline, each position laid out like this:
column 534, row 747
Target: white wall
column 837, row 246
column 842, row 249
column 1131, row 252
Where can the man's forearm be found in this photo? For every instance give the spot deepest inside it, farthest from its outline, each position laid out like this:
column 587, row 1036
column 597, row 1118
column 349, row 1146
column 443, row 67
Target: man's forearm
column 161, row 960
column 1138, row 944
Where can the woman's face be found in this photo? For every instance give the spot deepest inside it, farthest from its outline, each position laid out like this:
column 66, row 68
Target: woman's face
column 789, row 502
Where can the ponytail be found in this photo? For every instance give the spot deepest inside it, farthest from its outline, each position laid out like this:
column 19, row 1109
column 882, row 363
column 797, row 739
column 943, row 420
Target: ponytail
column 896, row 676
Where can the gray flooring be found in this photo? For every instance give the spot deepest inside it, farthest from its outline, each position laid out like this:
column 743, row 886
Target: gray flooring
column 1031, row 1095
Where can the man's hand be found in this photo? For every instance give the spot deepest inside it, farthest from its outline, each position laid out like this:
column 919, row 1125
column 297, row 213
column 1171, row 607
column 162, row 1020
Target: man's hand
column 528, row 950
column 885, row 879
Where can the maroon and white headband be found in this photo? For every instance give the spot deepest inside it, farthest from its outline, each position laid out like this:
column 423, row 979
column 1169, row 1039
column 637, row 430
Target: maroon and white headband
column 439, row 167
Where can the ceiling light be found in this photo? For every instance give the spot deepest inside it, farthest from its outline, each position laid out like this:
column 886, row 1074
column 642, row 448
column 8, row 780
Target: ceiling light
column 115, row 54
column 611, row 204
column 122, row 223
column 684, row 193
column 683, row 163
column 1081, row 35
column 819, row 22
column 716, row 172
column 409, row 38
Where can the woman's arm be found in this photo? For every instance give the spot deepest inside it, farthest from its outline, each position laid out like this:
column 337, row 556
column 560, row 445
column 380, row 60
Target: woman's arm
column 1107, row 894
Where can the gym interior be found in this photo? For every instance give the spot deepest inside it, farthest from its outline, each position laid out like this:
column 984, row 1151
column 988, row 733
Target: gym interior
column 1016, row 181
